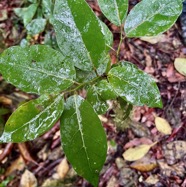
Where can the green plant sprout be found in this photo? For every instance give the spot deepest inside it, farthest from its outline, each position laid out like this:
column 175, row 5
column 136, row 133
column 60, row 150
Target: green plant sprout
column 83, row 63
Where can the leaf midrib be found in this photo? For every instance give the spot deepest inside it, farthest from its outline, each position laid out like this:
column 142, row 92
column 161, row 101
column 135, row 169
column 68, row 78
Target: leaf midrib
column 81, row 132
column 41, row 71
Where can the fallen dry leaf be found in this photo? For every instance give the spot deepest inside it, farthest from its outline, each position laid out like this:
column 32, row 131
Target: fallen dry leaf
column 152, row 179
column 18, row 164
column 174, row 151
column 28, row 179
column 145, row 164
column 154, row 39
column 163, row 126
column 136, row 153
column 180, row 65
column 63, row 168
column 25, row 153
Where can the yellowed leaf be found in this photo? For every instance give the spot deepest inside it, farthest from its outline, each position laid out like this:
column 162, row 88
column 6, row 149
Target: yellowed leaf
column 63, row 168
column 152, row 179
column 180, row 65
column 28, row 179
column 18, row 164
column 136, row 153
column 163, row 126
column 154, row 39
column 145, row 164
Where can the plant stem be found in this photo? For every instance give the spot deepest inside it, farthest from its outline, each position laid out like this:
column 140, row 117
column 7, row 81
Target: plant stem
column 121, row 40
column 83, row 84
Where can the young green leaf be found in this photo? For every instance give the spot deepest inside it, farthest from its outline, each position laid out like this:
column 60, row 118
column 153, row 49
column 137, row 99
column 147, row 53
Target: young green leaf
column 95, row 100
column 105, row 90
column 33, row 118
column 134, row 85
column 114, row 10
column 37, row 69
column 36, row 26
column 83, row 138
column 150, row 18
column 47, row 7
column 79, row 34
column 26, row 13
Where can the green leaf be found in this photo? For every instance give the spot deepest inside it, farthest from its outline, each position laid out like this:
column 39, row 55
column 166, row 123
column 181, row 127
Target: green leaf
column 36, row 26
column 33, row 118
column 79, row 34
column 47, row 7
column 105, row 90
column 107, row 34
column 150, row 18
column 36, row 69
column 83, row 138
column 134, row 85
column 26, row 13
column 114, row 10
column 84, row 76
column 95, row 100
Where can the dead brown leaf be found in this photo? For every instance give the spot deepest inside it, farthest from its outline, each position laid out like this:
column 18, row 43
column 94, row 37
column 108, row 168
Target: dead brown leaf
column 18, row 164
column 28, row 179
column 145, row 164
column 63, row 168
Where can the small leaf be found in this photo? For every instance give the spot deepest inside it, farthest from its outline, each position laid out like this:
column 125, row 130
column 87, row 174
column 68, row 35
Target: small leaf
column 137, row 153
column 36, row 26
column 79, row 34
column 28, row 179
column 83, row 138
column 163, row 126
column 150, row 18
column 26, row 13
column 180, row 65
column 47, row 7
column 134, row 85
column 94, row 99
column 33, row 118
column 114, row 10
column 105, row 90
column 36, row 69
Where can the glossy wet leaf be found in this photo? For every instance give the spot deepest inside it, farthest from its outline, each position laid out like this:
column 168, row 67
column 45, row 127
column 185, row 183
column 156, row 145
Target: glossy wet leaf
column 163, row 126
column 114, row 10
column 134, row 85
column 105, row 90
column 36, row 69
column 99, row 105
column 107, row 34
column 47, row 7
column 26, row 13
column 150, row 18
column 136, row 153
column 33, row 118
column 79, row 34
column 180, row 65
column 84, row 76
column 36, row 26
column 83, row 138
